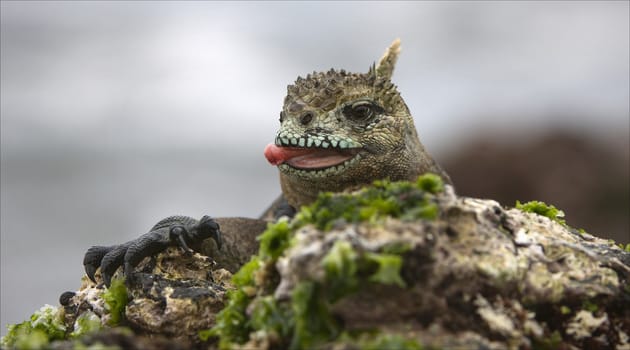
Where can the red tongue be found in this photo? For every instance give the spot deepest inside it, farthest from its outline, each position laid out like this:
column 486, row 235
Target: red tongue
column 278, row 155
column 306, row 158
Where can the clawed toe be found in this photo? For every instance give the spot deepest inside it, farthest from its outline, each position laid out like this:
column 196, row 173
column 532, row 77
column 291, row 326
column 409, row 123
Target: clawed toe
column 182, row 231
column 92, row 260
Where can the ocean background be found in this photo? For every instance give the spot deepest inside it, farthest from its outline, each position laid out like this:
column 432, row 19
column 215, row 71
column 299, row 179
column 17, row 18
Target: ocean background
column 117, row 114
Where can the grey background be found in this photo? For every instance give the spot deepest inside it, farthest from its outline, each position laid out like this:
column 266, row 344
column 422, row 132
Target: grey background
column 116, row 114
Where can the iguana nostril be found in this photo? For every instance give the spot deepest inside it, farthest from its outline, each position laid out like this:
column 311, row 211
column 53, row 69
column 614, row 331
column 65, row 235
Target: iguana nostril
column 306, row 118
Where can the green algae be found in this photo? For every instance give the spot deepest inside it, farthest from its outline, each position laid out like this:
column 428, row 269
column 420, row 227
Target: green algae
column 47, row 324
column 116, row 299
column 402, row 199
column 378, row 340
column 551, row 342
column 543, row 209
column 388, row 269
column 340, row 267
column 233, row 325
column 388, row 341
column 87, row 323
column 44, row 326
column 24, row 337
column 312, row 320
column 397, row 248
column 590, row 306
column 304, row 321
column 245, row 276
column 275, row 239
column 271, row 317
column 345, row 270
column 430, row 183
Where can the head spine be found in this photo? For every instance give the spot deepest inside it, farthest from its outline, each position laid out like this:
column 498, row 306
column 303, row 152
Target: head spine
column 386, row 65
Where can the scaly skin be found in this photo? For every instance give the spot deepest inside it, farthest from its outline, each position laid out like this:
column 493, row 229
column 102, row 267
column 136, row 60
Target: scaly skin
column 339, row 131
column 363, row 117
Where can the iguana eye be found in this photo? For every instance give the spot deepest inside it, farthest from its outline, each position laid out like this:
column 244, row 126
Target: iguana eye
column 281, row 116
column 358, row 111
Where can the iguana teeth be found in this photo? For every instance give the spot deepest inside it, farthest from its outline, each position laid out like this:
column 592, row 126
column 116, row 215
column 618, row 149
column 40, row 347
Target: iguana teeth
column 289, row 139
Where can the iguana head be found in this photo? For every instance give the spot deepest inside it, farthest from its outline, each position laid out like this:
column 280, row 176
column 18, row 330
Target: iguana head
column 340, row 130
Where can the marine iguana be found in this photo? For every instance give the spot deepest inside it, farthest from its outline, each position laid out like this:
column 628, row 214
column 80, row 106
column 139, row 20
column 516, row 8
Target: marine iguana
column 338, row 131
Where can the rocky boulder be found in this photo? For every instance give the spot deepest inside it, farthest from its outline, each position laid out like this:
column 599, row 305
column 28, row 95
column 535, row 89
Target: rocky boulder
column 396, row 265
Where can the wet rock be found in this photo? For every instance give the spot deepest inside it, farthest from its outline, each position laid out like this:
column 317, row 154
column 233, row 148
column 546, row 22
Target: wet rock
column 395, row 265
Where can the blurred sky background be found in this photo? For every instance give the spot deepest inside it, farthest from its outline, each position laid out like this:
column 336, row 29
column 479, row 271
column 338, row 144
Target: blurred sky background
column 117, row 114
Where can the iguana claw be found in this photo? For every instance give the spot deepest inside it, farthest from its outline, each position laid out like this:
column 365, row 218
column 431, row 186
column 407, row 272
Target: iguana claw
column 182, row 231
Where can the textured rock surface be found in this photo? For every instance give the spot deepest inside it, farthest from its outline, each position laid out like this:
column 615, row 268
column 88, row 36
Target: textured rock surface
column 397, row 266
column 175, row 296
column 478, row 276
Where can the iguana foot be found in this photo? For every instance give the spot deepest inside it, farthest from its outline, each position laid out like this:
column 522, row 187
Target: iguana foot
column 182, row 231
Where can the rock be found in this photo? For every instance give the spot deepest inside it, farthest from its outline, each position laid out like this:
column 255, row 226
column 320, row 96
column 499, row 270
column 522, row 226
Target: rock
column 396, row 265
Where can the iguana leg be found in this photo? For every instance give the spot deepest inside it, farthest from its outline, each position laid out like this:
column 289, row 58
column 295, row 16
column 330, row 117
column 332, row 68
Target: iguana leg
column 239, row 242
column 180, row 231
column 279, row 208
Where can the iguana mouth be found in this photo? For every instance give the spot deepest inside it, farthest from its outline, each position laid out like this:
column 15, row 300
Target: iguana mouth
column 309, row 158
column 312, row 155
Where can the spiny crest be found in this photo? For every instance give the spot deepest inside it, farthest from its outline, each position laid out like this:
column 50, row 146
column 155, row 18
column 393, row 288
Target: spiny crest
column 321, row 90
column 386, row 65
